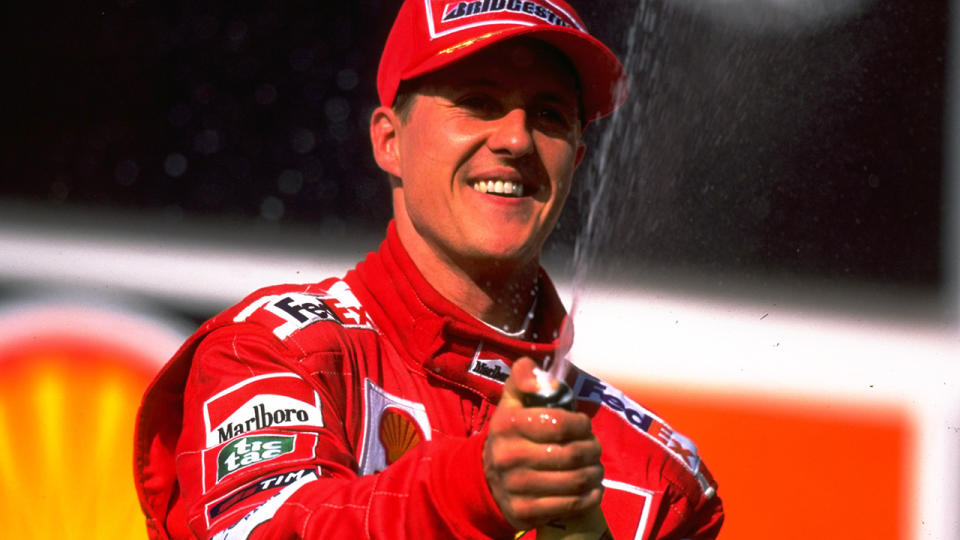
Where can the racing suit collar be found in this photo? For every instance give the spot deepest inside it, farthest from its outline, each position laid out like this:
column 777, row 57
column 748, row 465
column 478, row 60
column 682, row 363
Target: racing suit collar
column 440, row 338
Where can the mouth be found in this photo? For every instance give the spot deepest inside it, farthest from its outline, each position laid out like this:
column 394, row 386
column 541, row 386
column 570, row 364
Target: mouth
column 501, row 188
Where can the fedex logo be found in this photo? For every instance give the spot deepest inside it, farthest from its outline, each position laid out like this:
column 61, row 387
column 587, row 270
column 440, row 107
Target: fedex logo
column 297, row 310
column 591, row 389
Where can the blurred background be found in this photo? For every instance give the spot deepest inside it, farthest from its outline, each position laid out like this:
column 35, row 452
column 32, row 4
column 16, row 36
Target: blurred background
column 762, row 245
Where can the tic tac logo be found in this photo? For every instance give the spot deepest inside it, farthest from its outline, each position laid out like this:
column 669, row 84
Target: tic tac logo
column 297, row 310
column 272, row 400
column 247, row 451
column 451, row 16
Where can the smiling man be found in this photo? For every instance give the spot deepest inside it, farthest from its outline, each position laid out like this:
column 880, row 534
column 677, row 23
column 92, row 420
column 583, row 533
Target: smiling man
column 388, row 403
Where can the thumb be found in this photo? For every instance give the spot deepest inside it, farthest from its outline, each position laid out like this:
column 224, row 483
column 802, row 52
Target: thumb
column 522, row 380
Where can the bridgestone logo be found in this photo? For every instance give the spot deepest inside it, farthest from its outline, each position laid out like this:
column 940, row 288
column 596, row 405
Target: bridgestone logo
column 262, row 418
column 479, row 7
column 251, row 450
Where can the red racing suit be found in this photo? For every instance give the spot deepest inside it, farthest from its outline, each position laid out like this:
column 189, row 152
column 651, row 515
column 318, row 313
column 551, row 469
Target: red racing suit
column 356, row 408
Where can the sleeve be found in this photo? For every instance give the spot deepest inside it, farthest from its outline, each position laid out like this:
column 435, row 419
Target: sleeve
column 264, row 453
column 706, row 521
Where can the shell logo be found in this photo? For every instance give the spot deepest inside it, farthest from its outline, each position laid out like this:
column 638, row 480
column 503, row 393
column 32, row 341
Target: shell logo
column 71, row 377
column 399, row 433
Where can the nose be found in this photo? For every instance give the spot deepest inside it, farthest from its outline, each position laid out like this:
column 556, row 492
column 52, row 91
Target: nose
column 512, row 135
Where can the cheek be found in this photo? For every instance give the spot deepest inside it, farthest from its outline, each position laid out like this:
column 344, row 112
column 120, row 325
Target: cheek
column 560, row 159
column 436, row 151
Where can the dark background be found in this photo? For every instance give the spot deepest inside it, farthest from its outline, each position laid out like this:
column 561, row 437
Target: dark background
column 798, row 152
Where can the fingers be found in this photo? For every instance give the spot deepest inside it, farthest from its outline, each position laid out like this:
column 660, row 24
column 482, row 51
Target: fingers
column 531, row 512
column 541, row 464
column 538, row 483
column 542, row 425
column 521, row 381
column 507, row 454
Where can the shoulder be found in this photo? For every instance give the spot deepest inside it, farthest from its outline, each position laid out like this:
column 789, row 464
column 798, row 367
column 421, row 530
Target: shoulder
column 272, row 329
column 303, row 329
column 643, row 443
column 286, row 310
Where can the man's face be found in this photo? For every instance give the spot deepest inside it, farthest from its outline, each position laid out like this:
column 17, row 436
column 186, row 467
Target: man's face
column 486, row 155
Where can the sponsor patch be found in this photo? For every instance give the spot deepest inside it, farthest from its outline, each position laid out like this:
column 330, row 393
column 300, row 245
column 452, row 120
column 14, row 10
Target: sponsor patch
column 392, row 425
column 449, row 16
column 248, row 451
column 680, row 447
column 242, row 529
column 224, row 504
column 274, row 400
column 295, row 311
column 494, row 370
column 398, row 433
column 591, row 389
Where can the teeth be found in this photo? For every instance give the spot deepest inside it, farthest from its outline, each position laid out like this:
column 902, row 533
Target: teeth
column 500, row 187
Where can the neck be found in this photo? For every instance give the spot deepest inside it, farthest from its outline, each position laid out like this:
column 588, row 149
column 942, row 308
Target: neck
column 496, row 292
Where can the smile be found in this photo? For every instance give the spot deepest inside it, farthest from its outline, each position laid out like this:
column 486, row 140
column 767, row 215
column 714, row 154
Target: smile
column 504, row 188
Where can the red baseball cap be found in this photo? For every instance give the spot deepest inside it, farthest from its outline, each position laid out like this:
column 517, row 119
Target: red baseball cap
column 430, row 34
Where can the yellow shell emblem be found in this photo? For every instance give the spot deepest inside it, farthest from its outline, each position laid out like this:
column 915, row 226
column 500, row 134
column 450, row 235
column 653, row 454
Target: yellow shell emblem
column 399, row 432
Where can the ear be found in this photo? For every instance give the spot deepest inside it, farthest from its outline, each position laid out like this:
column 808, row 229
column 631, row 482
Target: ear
column 384, row 123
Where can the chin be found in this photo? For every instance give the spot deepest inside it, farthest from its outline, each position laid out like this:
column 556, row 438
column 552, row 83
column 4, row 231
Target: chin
column 506, row 253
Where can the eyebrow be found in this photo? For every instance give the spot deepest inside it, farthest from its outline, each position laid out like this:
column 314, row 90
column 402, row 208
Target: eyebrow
column 546, row 96
column 484, row 83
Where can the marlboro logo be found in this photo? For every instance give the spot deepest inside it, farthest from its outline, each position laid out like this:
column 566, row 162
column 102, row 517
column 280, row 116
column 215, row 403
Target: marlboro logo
column 495, row 370
column 278, row 400
column 262, row 418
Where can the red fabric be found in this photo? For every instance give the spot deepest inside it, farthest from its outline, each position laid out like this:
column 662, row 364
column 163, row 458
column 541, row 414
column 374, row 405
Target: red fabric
column 356, row 407
column 430, row 34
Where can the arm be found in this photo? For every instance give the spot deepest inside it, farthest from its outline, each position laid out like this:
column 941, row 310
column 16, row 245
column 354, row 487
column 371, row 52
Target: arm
column 706, row 520
column 296, row 477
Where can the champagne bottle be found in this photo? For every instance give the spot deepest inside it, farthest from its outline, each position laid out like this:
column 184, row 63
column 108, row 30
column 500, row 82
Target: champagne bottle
column 556, row 394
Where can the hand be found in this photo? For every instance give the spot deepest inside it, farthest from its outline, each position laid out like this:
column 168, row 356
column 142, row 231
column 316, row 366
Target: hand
column 540, row 464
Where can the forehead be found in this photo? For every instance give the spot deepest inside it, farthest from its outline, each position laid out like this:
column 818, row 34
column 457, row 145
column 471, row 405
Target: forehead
column 517, row 64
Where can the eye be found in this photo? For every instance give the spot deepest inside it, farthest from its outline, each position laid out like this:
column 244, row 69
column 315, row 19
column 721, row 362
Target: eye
column 554, row 117
column 482, row 105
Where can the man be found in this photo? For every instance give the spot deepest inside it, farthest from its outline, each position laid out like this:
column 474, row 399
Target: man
column 387, row 404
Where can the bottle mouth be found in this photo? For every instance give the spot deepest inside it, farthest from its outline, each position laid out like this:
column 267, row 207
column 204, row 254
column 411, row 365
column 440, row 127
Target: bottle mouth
column 557, row 395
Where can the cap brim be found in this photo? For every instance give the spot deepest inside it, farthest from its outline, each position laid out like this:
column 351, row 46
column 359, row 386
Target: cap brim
column 602, row 82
